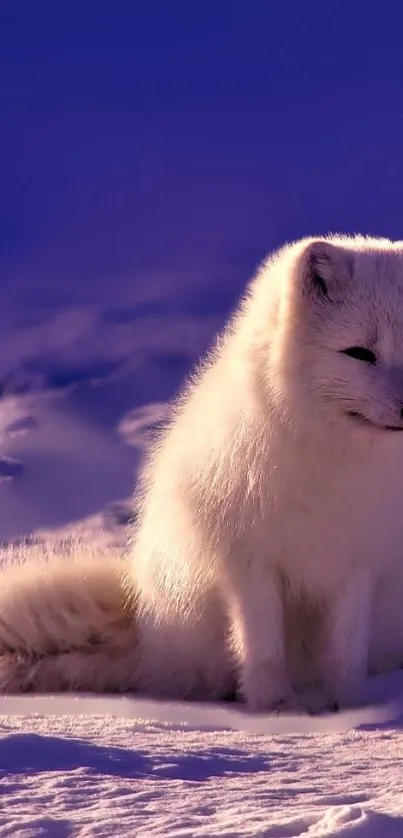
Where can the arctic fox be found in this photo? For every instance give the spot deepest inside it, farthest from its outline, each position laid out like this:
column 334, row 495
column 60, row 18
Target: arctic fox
column 270, row 522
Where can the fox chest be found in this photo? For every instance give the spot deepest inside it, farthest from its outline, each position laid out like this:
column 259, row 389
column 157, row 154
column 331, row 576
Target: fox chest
column 321, row 527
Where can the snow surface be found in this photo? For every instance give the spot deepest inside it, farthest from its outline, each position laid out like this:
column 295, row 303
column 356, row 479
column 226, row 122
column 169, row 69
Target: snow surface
column 108, row 767
column 81, row 392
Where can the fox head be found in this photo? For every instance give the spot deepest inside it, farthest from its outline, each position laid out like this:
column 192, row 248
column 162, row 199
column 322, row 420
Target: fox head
column 336, row 350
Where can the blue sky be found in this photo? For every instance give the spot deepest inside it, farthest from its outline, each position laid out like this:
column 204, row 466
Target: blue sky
column 191, row 138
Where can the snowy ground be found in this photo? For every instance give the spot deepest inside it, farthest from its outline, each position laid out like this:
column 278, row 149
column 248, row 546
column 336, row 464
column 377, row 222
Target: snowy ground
column 81, row 391
column 131, row 768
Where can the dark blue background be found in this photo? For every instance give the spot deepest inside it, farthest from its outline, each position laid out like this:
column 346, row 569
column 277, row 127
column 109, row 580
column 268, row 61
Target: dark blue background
column 187, row 139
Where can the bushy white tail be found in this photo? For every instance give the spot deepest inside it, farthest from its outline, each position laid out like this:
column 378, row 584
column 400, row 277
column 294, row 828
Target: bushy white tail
column 66, row 622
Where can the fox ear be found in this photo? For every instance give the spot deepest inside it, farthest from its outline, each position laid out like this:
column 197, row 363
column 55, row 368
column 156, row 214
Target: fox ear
column 327, row 270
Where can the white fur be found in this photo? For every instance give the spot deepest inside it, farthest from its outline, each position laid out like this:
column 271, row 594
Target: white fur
column 66, row 622
column 270, row 534
column 264, row 500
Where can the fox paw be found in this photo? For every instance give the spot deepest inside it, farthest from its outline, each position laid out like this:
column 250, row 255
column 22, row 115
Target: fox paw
column 266, row 693
column 345, row 695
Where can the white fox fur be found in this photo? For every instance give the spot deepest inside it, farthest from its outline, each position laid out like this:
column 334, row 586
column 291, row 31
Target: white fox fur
column 66, row 622
column 268, row 554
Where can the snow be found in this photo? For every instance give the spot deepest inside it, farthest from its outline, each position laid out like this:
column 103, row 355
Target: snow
column 72, row 438
column 82, row 766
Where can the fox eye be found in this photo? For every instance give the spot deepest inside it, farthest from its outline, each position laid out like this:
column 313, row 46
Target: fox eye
column 360, row 354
